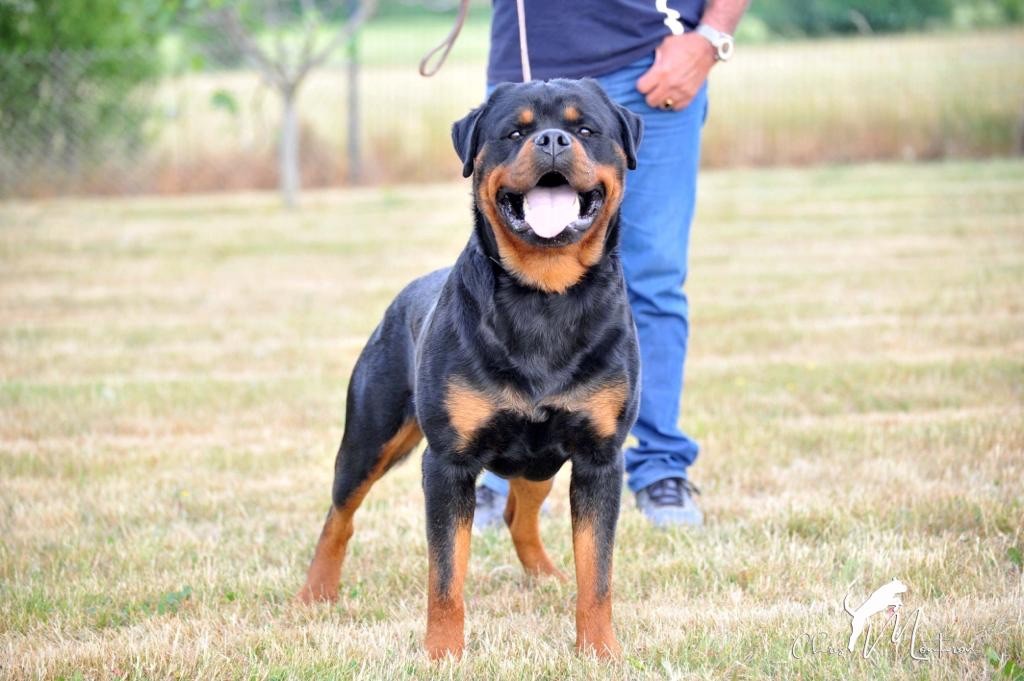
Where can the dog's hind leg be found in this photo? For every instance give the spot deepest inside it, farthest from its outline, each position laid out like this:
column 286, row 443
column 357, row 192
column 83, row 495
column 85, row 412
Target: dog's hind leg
column 380, row 431
column 856, row 628
column 522, row 515
column 325, row 570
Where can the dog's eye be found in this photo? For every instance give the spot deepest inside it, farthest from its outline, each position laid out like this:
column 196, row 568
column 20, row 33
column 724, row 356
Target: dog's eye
column 514, row 135
column 585, row 132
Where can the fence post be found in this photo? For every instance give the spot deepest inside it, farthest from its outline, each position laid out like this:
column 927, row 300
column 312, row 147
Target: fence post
column 1019, row 146
column 355, row 170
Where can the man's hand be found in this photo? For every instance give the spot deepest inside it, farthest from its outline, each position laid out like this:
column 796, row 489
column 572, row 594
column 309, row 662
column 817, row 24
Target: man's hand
column 681, row 65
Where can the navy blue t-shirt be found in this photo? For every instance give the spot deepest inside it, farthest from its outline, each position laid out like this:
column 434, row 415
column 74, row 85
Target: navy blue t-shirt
column 577, row 38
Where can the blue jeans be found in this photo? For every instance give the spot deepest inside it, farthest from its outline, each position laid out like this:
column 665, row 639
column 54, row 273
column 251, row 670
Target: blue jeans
column 656, row 214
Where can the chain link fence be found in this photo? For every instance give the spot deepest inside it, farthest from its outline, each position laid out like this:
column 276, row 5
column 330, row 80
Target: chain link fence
column 99, row 122
column 67, row 128
column 66, row 118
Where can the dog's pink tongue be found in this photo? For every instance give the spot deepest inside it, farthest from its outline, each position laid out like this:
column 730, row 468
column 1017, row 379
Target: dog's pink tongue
column 549, row 210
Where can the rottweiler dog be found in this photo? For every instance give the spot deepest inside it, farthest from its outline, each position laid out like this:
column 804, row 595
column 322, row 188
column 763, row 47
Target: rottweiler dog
column 520, row 357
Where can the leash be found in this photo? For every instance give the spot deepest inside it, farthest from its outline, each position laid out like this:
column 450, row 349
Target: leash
column 445, row 46
column 524, row 53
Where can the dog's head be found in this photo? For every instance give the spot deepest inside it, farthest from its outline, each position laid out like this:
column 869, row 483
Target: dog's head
column 548, row 161
column 895, row 587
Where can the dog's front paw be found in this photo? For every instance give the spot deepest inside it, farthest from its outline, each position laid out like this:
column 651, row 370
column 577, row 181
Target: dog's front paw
column 546, row 569
column 438, row 649
column 605, row 647
column 316, row 593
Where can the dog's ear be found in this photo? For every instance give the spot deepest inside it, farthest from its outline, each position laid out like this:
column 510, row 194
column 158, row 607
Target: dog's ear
column 466, row 132
column 466, row 139
column 631, row 130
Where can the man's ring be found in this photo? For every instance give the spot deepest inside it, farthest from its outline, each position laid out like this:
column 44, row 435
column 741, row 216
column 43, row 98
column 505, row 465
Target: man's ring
column 668, row 104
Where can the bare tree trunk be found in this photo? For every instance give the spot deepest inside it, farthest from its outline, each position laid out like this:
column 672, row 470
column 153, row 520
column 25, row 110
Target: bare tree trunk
column 286, row 72
column 288, row 157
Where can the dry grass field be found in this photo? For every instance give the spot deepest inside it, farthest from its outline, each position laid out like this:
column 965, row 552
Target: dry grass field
column 172, row 383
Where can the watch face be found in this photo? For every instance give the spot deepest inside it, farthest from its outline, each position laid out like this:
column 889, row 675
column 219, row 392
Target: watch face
column 725, row 46
column 722, row 42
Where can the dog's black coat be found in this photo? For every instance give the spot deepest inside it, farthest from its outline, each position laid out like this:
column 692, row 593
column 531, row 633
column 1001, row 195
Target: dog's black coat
column 486, row 328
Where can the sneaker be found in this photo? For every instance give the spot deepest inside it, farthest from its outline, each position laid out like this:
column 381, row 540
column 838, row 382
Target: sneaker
column 490, row 509
column 669, row 503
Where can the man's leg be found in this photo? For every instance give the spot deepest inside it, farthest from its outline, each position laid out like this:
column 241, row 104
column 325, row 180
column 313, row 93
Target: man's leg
column 656, row 215
column 491, row 497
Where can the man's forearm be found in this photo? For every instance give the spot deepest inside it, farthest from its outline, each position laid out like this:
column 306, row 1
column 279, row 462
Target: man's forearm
column 724, row 15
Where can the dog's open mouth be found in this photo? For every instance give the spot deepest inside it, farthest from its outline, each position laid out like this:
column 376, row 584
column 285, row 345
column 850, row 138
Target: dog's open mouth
column 551, row 208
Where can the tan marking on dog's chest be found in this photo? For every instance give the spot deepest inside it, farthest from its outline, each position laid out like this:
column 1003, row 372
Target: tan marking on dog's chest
column 602, row 404
column 605, row 406
column 470, row 409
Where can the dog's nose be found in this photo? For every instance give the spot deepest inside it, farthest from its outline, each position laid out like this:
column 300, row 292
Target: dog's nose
column 552, row 141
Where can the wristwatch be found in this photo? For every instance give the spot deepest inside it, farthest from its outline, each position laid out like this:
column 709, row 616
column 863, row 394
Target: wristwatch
column 722, row 42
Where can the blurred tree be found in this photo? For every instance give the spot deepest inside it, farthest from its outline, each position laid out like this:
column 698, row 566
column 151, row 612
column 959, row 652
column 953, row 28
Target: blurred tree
column 287, row 42
column 68, row 70
column 1013, row 10
column 821, row 17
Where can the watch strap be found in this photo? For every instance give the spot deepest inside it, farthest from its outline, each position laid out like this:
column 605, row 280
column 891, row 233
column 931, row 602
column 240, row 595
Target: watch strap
column 722, row 42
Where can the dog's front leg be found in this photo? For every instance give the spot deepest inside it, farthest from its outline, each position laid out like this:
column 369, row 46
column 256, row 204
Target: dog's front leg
column 594, row 495
column 450, row 496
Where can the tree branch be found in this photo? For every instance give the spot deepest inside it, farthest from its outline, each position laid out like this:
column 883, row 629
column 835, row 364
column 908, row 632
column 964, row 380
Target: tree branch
column 311, row 21
column 363, row 12
column 227, row 19
column 279, row 69
column 272, row 21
